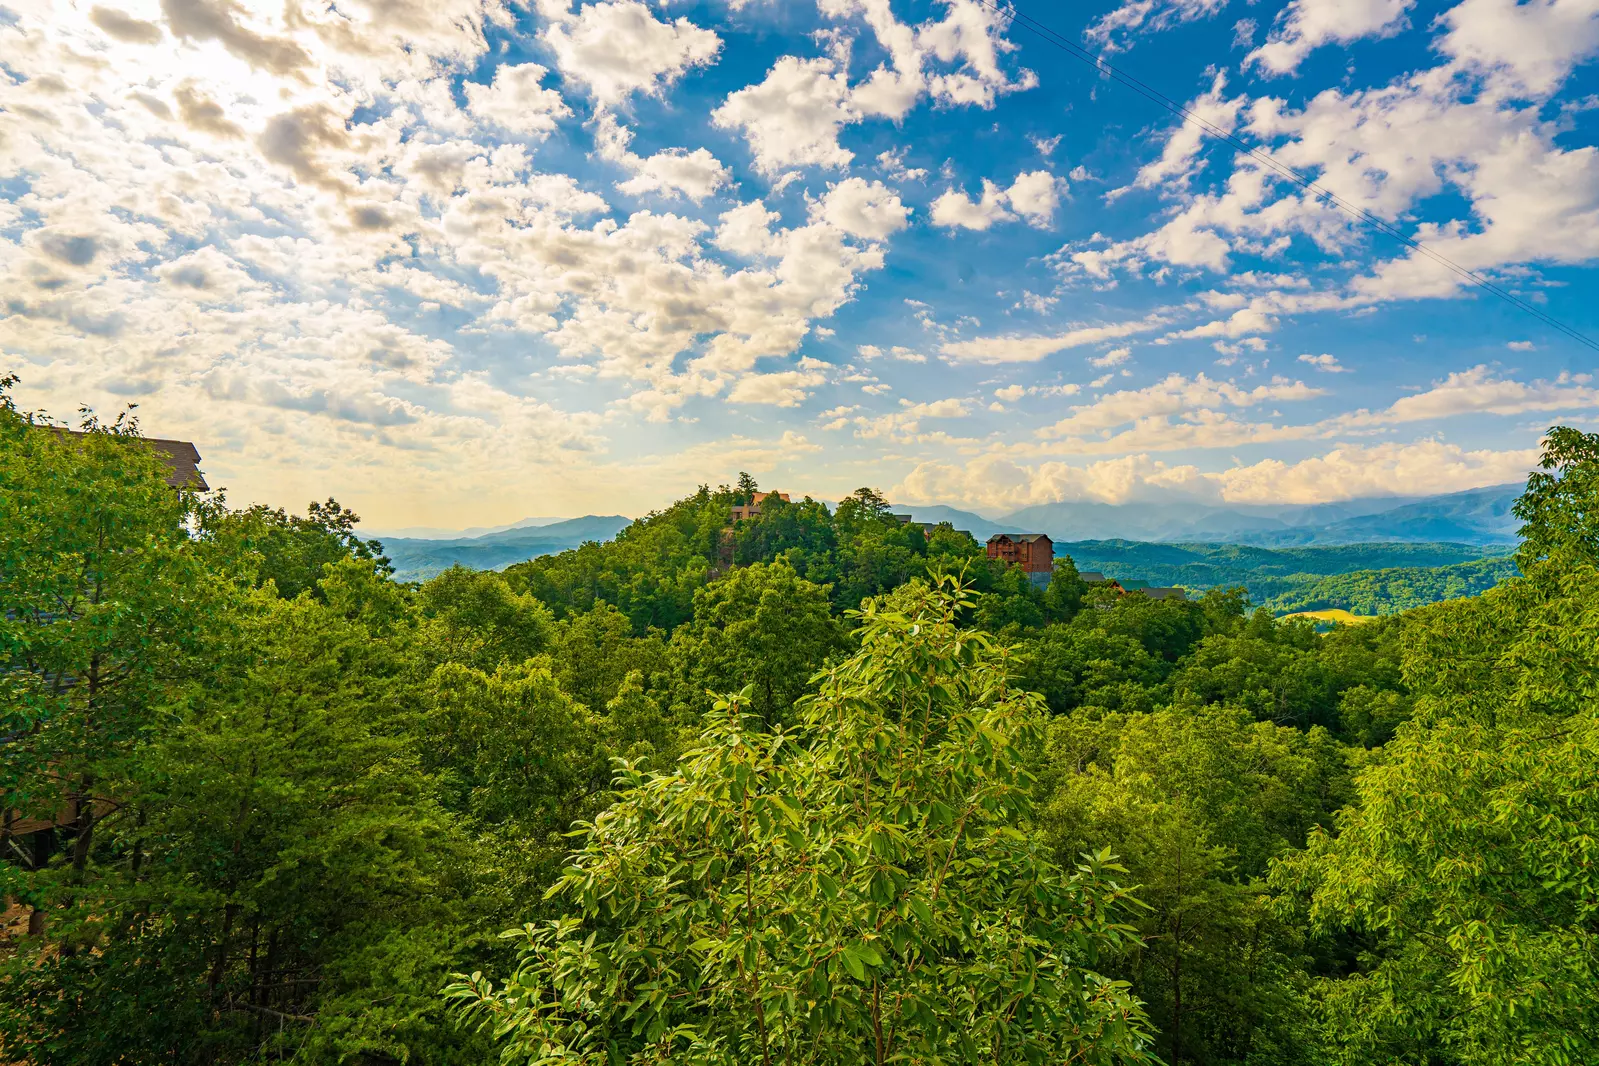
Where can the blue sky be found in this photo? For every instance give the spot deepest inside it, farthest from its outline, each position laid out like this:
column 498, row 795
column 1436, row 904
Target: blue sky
column 462, row 261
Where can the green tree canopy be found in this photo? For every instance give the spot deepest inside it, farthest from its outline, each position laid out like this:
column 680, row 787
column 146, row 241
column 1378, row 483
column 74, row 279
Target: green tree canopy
column 1467, row 863
column 855, row 889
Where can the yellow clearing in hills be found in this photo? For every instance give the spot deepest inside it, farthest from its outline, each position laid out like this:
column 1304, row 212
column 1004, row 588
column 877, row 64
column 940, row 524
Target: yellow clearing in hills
column 1336, row 615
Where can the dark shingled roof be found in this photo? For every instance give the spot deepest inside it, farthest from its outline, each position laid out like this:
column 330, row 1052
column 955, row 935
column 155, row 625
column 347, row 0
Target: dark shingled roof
column 181, row 457
column 1028, row 537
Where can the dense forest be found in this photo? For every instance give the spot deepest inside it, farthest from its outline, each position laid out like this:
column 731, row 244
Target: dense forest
column 817, row 787
column 1394, row 589
column 1366, row 579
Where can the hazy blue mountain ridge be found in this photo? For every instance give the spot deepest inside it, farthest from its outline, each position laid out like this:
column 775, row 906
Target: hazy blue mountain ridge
column 416, row 559
column 1477, row 516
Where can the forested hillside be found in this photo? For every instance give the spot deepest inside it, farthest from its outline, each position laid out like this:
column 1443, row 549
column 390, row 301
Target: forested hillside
column 1282, row 576
column 818, row 790
column 1394, row 589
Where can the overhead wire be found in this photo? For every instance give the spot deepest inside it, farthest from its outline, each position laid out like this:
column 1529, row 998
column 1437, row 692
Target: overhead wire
column 1320, row 192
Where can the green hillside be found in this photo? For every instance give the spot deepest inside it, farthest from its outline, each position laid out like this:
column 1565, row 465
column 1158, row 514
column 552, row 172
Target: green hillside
column 1269, row 574
column 1394, row 589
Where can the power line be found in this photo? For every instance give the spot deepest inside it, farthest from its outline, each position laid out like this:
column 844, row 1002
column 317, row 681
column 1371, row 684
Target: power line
column 1266, row 159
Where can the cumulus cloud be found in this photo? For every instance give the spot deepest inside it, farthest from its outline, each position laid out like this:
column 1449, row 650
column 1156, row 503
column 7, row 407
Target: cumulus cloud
column 1461, row 127
column 1345, row 472
column 782, row 389
column 618, row 48
column 1179, row 411
column 1327, row 364
column 299, row 140
column 892, row 164
column 221, row 21
column 1350, row 472
column 515, row 100
column 1033, row 196
column 905, row 424
column 205, row 274
column 1178, row 158
column 1480, row 391
column 202, row 114
column 125, row 27
column 863, row 209
column 792, row 118
column 670, row 172
column 1306, row 25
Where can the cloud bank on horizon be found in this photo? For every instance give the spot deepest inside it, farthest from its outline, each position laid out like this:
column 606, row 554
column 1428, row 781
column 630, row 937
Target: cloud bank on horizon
column 459, row 261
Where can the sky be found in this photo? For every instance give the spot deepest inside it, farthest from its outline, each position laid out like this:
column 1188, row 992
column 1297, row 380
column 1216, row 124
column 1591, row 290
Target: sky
column 459, row 261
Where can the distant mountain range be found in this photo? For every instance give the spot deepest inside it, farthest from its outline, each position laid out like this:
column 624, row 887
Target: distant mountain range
column 440, row 533
column 418, row 558
column 1477, row 516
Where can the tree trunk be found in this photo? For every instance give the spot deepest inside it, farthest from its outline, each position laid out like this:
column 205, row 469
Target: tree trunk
column 220, row 963
column 83, row 836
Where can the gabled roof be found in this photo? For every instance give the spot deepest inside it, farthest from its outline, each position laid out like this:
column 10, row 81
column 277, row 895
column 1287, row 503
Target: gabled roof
column 181, row 457
column 1025, row 537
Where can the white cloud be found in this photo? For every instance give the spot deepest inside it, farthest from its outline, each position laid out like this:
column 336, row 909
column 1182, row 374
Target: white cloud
column 1520, row 346
column 747, row 230
column 1114, row 357
column 671, row 172
column 1532, row 45
column 1306, row 25
column 792, row 118
column 1178, row 158
column 1111, row 32
column 1033, row 195
column 619, row 47
column 1346, row 472
column 905, row 424
column 1194, row 401
column 1036, row 303
column 516, row 101
column 955, row 60
column 1023, row 349
column 955, row 209
column 869, row 210
column 892, row 164
column 786, row 388
column 205, row 275
column 1328, row 364
column 1000, row 483
column 1479, row 391
column 1460, row 128
column 1244, row 321
column 1350, row 472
